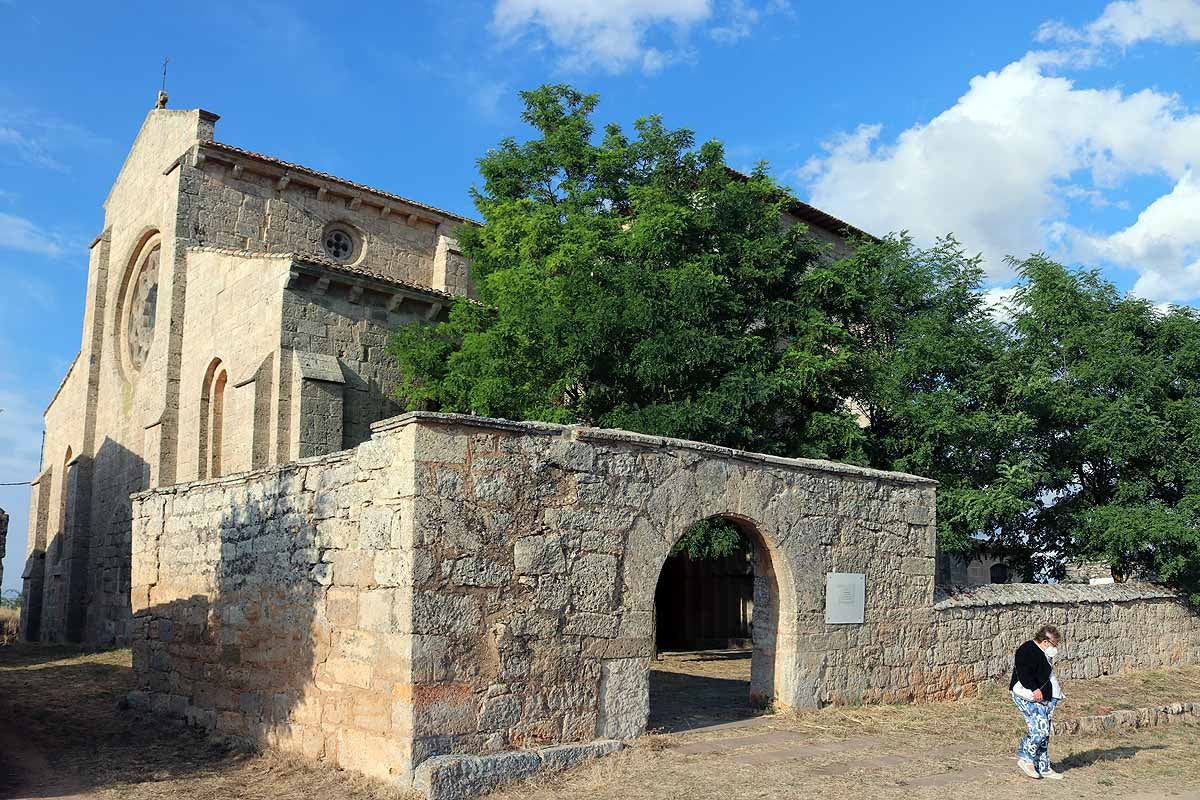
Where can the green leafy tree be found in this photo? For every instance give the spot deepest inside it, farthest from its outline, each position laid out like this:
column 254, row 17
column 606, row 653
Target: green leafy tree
column 636, row 282
column 1112, row 386
column 932, row 383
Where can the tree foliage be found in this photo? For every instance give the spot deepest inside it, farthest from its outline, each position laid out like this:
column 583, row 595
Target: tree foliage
column 634, row 281
column 1110, row 386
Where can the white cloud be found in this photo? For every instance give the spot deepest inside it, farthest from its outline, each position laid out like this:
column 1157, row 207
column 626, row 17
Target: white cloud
column 18, row 233
column 619, row 35
column 40, row 138
column 998, row 167
column 1163, row 244
column 1128, row 22
column 1000, row 303
column 608, row 34
column 27, row 148
column 739, row 25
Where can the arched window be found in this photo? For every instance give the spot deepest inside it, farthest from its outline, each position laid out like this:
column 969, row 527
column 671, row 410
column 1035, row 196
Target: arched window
column 212, row 420
column 1000, row 573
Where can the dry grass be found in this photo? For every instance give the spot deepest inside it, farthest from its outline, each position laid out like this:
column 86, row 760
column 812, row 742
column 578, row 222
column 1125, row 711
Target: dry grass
column 62, row 732
column 873, row 752
column 10, row 621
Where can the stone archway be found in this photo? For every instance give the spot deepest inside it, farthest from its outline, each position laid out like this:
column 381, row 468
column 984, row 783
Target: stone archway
column 715, row 675
column 625, row 683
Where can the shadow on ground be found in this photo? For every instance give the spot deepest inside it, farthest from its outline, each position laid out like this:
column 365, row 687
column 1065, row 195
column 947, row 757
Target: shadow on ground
column 61, row 731
column 700, row 689
column 64, row 732
column 1088, row 757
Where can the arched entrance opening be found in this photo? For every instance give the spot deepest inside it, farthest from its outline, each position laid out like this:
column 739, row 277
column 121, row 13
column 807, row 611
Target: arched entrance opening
column 716, row 611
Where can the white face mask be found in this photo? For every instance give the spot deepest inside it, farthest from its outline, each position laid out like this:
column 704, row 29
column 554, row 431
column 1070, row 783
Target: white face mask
column 1051, row 651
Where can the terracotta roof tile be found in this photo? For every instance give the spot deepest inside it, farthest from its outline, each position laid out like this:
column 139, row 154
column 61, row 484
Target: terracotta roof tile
column 349, row 269
column 815, row 215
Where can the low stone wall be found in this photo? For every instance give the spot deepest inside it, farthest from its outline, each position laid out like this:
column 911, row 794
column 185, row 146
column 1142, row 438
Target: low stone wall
column 1128, row 719
column 1106, row 630
column 460, row 588
column 265, row 609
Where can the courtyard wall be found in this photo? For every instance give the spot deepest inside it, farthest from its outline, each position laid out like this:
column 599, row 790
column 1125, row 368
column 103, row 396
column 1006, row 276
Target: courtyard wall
column 462, row 586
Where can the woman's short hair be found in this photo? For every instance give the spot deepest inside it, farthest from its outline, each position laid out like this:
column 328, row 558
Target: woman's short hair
column 1046, row 633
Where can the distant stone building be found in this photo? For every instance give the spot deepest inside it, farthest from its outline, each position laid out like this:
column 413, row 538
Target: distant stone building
column 979, row 569
column 1093, row 572
column 3, row 541
column 237, row 315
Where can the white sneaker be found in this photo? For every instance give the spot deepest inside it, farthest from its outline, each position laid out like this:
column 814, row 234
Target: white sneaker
column 1052, row 775
column 1027, row 768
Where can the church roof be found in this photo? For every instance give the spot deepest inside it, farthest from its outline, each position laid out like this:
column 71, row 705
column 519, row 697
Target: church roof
column 803, row 211
column 321, row 264
column 305, row 259
column 303, row 170
column 814, row 215
column 821, row 219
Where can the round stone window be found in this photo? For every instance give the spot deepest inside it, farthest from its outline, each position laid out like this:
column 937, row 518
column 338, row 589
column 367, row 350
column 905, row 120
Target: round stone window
column 340, row 243
column 143, row 309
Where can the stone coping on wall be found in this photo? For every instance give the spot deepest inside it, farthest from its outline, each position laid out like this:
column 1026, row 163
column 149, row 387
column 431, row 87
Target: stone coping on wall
column 573, row 432
column 614, row 436
column 242, row 478
column 1009, row 594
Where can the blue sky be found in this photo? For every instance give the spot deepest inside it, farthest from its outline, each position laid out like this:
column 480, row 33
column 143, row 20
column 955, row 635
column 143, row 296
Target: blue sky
column 1069, row 127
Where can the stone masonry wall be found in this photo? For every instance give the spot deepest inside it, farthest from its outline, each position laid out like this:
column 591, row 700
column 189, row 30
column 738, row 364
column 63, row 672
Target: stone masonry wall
column 1106, row 630
column 513, row 576
column 354, row 327
column 265, row 608
column 461, row 586
column 232, row 318
column 108, row 418
column 245, row 210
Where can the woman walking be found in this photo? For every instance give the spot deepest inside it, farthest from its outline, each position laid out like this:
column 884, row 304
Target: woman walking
column 1036, row 691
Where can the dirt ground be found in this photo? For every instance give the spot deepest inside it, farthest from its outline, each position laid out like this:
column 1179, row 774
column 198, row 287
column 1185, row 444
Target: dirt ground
column 963, row 749
column 63, row 734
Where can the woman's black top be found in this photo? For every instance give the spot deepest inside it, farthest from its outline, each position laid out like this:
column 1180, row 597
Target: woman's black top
column 1031, row 668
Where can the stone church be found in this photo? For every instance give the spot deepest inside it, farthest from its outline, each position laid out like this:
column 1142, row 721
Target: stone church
column 237, row 316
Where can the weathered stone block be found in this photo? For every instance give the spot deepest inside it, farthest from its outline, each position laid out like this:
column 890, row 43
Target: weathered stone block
column 624, row 698
column 539, row 555
column 377, row 527
column 593, row 581
column 500, row 713
column 476, row 571
column 566, row 756
column 459, row 777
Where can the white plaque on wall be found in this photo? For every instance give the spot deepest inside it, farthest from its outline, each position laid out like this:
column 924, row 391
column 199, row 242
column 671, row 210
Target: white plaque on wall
column 845, row 598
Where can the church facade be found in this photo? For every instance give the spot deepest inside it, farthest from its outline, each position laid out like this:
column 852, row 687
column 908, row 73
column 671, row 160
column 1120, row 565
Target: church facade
column 237, row 316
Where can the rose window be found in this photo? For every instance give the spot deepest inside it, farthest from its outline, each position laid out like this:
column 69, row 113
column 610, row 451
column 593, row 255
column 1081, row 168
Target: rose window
column 339, row 244
column 143, row 308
